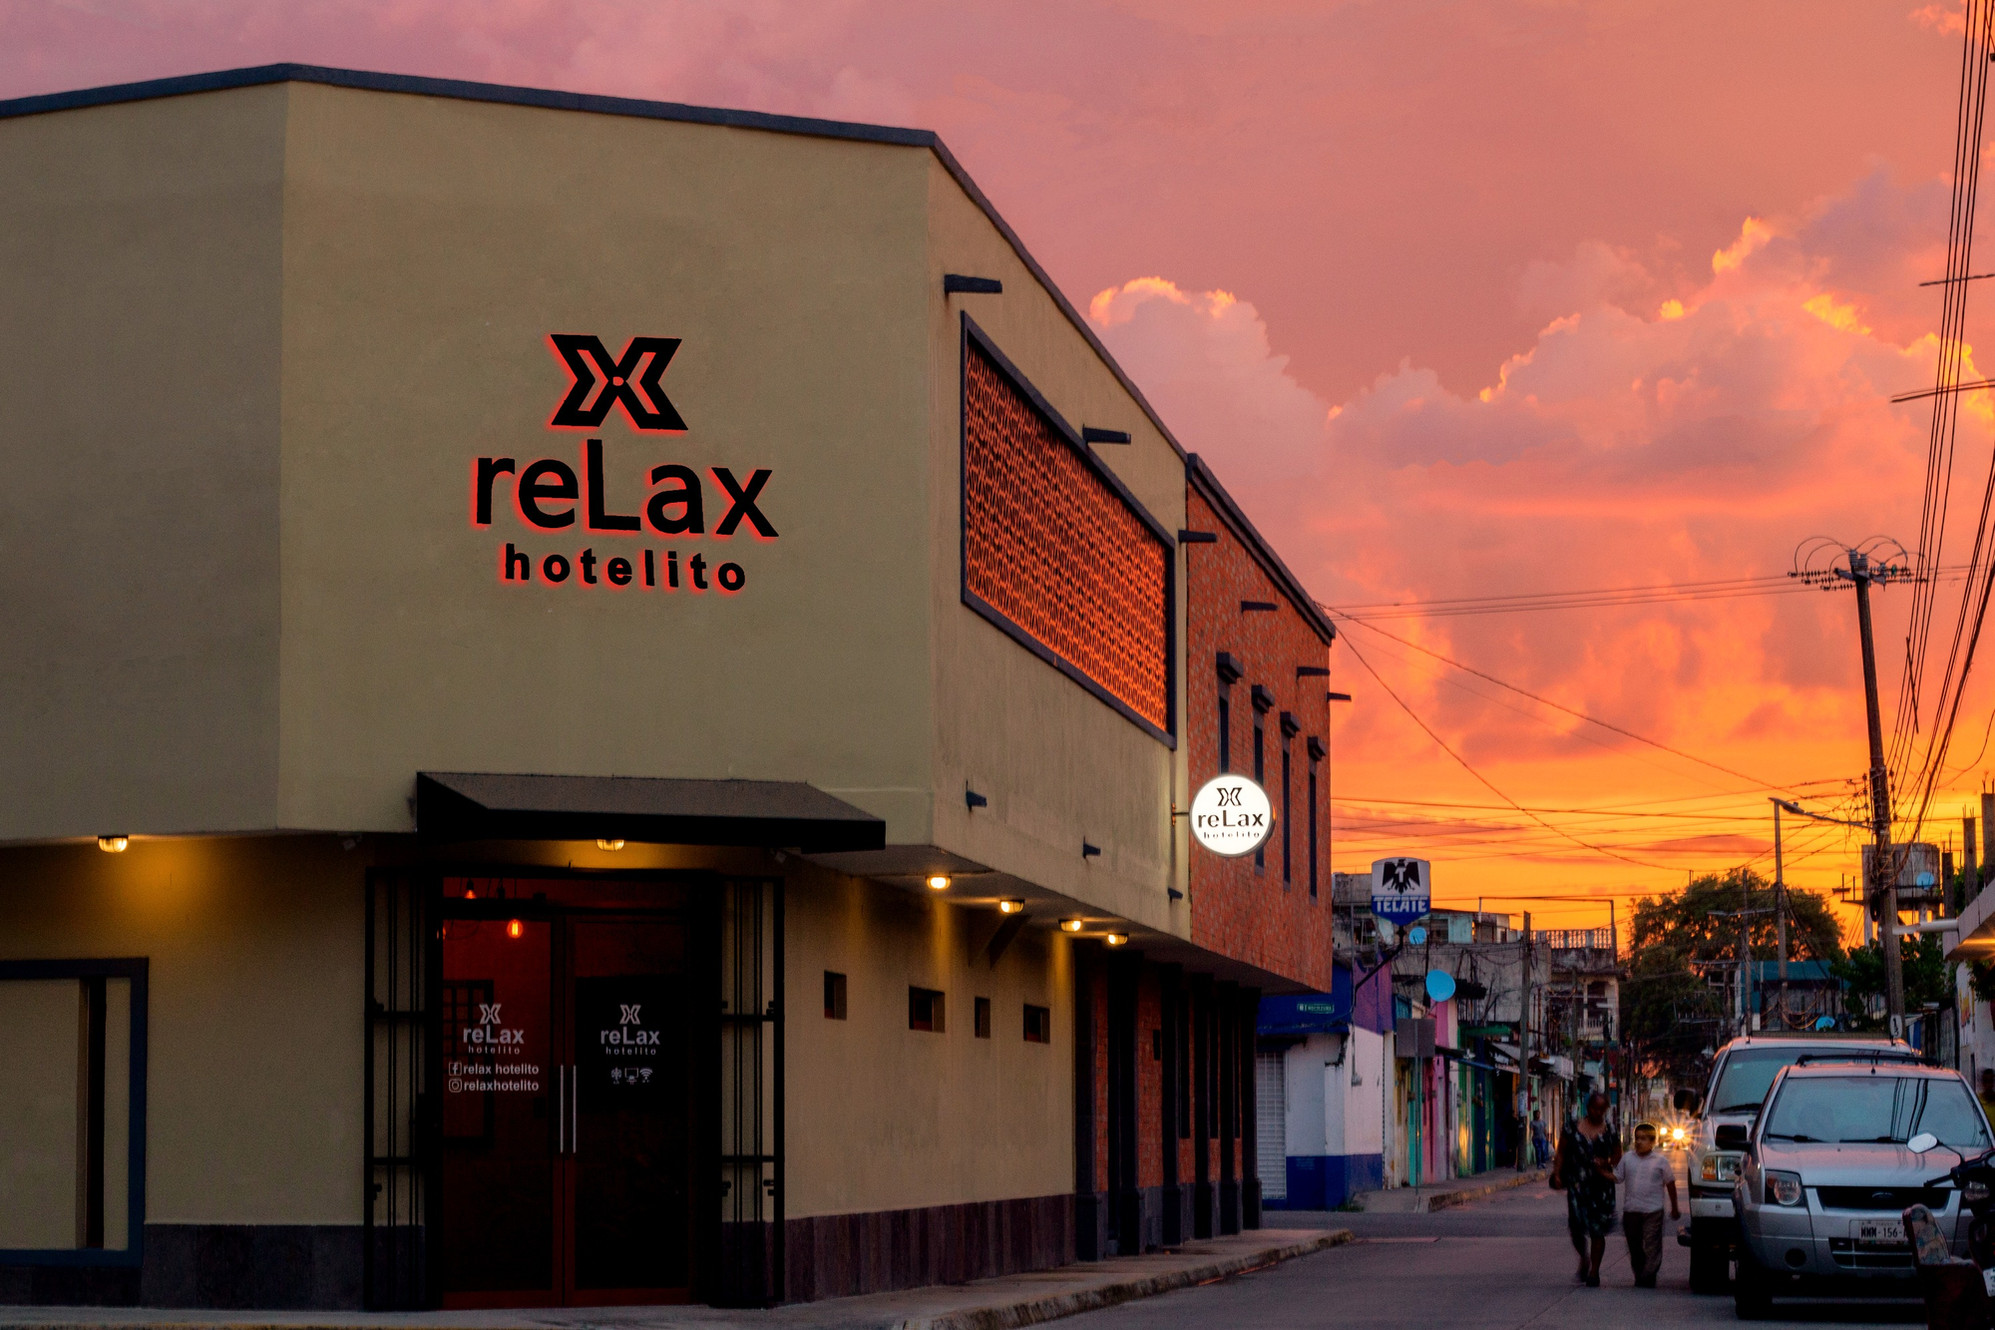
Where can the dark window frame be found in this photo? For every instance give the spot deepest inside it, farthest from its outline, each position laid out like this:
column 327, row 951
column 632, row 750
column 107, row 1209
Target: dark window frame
column 980, row 1018
column 835, row 996
column 133, row 969
column 1041, row 1031
column 972, row 335
column 936, row 1003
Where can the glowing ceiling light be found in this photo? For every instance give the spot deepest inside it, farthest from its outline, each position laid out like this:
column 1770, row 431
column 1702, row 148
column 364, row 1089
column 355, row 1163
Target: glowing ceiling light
column 938, row 882
column 113, row 844
column 1010, row 907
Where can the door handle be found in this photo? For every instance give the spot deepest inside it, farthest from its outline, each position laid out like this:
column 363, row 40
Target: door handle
column 574, row 1110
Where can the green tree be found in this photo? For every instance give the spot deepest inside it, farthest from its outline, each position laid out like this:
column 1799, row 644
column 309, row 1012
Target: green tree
column 1925, row 970
column 1669, row 1011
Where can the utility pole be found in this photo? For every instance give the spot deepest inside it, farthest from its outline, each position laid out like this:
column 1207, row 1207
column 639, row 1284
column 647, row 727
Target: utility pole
column 1885, row 885
column 1524, row 1045
column 1859, row 566
column 1780, row 912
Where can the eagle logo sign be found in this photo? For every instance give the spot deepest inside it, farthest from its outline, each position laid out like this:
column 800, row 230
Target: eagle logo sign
column 1400, row 876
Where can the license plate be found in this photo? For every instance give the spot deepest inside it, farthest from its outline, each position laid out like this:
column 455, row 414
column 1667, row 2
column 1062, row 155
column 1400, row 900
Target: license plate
column 1877, row 1230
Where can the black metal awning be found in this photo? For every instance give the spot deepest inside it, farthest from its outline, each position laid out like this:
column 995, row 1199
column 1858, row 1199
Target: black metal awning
column 772, row 814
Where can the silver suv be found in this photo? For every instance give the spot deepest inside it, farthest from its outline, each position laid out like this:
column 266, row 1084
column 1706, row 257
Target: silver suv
column 1740, row 1076
column 1828, row 1170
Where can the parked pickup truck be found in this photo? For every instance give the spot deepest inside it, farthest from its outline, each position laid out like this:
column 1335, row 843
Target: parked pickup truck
column 1741, row 1074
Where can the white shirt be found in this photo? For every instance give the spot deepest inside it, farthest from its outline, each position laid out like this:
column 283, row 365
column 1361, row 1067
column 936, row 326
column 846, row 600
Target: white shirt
column 1643, row 1178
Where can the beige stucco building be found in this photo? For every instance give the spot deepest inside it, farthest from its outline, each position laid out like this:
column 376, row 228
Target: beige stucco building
column 513, row 598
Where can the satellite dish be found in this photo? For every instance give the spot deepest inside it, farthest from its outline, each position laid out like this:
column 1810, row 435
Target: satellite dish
column 1440, row 985
column 1417, row 935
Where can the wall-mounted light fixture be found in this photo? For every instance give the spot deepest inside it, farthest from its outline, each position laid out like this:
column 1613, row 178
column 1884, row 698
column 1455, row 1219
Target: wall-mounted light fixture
column 938, row 882
column 1116, row 939
column 1089, row 851
column 1010, row 906
column 1072, row 925
column 514, row 928
column 609, row 842
column 113, row 844
column 972, row 800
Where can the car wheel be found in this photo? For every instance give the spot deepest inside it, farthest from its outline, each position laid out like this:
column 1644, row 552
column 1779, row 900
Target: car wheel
column 1752, row 1298
column 1707, row 1267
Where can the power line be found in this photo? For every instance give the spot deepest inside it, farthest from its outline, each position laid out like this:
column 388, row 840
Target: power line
column 1557, row 706
column 1485, row 781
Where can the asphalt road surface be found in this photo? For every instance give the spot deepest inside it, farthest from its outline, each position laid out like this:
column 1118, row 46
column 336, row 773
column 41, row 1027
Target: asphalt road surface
column 1505, row 1261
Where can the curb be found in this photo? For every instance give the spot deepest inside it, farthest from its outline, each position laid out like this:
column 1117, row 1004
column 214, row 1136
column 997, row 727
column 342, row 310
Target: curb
column 1447, row 1200
column 1032, row 1311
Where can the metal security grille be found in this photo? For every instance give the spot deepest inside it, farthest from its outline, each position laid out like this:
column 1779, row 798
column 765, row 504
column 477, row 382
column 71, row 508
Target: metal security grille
column 1271, row 1124
column 751, row 1111
column 1054, row 548
column 401, row 968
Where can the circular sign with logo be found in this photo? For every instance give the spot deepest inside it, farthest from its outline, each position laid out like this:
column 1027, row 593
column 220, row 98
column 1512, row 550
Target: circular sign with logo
column 1231, row 815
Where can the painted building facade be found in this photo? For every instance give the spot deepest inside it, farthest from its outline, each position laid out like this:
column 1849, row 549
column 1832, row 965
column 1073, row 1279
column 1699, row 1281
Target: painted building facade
column 600, row 693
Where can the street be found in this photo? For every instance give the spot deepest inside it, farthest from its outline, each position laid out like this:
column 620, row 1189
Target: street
column 1504, row 1261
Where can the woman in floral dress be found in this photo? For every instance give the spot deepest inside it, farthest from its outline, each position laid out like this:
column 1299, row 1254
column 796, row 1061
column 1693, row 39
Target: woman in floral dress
column 1588, row 1151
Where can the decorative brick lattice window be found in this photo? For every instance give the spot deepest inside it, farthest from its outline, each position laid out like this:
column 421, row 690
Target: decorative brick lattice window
column 1054, row 548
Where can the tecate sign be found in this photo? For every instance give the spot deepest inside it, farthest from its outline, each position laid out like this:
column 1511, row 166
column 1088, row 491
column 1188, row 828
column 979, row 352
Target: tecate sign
column 1231, row 815
column 1401, row 889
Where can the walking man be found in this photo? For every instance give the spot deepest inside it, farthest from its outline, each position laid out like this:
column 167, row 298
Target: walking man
column 1645, row 1176
column 1541, row 1144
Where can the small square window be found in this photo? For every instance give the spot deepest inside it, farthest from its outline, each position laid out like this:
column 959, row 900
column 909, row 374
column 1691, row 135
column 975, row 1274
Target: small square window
column 834, row 996
column 983, row 1018
column 924, row 1010
column 1038, row 1025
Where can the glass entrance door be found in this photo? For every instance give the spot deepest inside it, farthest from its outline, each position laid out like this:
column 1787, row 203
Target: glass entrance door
column 501, row 1071
column 566, row 1170
column 631, row 1204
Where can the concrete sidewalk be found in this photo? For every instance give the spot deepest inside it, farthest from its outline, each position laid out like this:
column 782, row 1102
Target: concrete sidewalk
column 985, row 1304
column 1442, row 1195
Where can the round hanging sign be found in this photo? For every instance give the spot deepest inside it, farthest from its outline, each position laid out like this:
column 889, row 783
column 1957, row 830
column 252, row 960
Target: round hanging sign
column 1231, row 815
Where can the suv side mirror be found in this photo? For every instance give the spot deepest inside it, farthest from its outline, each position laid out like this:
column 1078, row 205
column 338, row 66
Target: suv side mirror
column 1686, row 1101
column 1733, row 1136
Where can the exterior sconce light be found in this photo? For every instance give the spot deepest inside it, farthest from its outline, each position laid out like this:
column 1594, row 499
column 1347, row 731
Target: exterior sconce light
column 113, row 844
column 938, row 882
column 514, row 928
column 1117, row 939
column 1071, row 925
column 1010, row 907
column 611, row 843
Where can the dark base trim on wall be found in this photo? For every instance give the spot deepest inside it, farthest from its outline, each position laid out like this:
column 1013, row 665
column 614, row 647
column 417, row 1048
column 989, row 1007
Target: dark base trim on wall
column 275, row 1267
column 1091, row 1227
column 1229, row 1208
column 1177, row 1199
column 1250, row 1203
column 834, row 1256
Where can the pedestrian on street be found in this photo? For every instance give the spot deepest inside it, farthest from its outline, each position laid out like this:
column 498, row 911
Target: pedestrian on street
column 1588, row 1152
column 1541, row 1145
column 1645, row 1176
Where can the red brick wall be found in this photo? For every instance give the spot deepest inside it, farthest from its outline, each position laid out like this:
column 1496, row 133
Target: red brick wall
column 1237, row 910
column 1098, row 1014
column 1149, row 1081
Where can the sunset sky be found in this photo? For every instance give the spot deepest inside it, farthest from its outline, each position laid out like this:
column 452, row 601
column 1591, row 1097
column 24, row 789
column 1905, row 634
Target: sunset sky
column 1461, row 300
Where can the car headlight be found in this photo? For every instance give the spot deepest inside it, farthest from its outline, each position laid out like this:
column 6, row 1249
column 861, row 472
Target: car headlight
column 1719, row 1167
column 1783, row 1188
column 1676, row 1133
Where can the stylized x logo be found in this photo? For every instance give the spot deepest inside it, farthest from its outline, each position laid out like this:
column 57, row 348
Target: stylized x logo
column 642, row 399
column 488, row 1013
column 630, row 1010
column 1229, row 798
